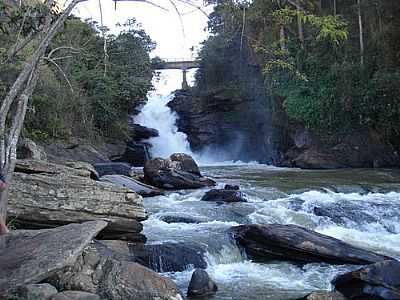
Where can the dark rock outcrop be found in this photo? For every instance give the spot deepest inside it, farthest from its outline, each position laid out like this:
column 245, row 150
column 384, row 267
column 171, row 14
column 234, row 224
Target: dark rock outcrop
column 97, row 271
column 178, row 172
column 46, row 195
column 201, row 284
column 132, row 184
column 377, row 281
column 32, row 256
column 136, row 153
column 113, row 168
column 224, row 195
column 295, row 243
column 181, row 218
column 142, row 132
column 166, row 257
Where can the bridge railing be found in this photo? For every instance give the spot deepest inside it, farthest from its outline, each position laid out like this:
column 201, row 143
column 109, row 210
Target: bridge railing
column 172, row 60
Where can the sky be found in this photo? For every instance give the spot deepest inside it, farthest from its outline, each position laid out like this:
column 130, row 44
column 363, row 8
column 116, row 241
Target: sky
column 164, row 27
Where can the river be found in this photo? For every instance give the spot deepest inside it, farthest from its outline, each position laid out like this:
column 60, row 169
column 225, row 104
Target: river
column 361, row 207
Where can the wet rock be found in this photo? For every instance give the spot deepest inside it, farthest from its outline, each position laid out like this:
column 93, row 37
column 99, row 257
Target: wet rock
column 224, row 195
column 43, row 291
column 46, row 195
column 295, row 243
column 142, row 132
column 182, row 219
column 231, row 187
column 136, row 153
column 97, row 272
column 32, row 256
column 201, row 284
column 377, row 281
column 166, row 257
column 132, row 184
column 324, row 296
column 113, row 168
column 342, row 215
column 180, row 173
column 28, row 149
column 75, row 295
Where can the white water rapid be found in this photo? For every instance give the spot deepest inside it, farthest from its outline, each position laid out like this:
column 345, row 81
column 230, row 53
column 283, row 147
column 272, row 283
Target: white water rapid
column 156, row 114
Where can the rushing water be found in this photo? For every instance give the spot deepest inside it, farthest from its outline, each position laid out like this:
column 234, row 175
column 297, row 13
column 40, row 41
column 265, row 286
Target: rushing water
column 363, row 209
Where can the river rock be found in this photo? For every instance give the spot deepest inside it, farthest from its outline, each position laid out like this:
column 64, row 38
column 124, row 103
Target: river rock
column 142, row 189
column 136, row 153
column 113, row 168
column 231, row 187
column 179, row 173
column 97, row 271
column 377, row 281
column 295, row 243
column 201, row 284
column 43, row 291
column 166, row 257
column 141, row 132
column 28, row 149
column 324, row 295
column 31, row 256
column 182, row 218
column 46, row 195
column 75, row 295
column 224, row 195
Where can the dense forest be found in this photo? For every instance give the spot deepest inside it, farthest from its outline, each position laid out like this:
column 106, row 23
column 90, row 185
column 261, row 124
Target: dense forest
column 82, row 90
column 331, row 65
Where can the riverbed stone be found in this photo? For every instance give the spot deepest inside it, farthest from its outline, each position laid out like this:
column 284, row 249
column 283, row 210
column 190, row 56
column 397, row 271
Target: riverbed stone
column 201, row 284
column 224, row 195
column 97, row 271
column 113, row 168
column 179, row 173
column 141, row 188
column 324, row 295
column 42, row 291
column 376, row 281
column 75, row 295
column 295, row 243
column 46, row 195
column 30, row 256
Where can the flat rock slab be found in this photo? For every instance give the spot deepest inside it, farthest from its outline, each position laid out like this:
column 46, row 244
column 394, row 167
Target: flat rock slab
column 32, row 256
column 377, row 281
column 142, row 189
column 295, row 243
column 224, row 195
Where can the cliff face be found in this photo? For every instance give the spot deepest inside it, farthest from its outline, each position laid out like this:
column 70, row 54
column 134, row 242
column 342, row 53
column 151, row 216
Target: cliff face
column 227, row 128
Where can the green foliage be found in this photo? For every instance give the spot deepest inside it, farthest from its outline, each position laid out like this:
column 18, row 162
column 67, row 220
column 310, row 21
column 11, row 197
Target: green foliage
column 316, row 77
column 76, row 95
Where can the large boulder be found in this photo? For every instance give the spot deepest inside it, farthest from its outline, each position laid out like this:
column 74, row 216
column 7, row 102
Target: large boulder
column 178, row 172
column 295, row 243
column 377, row 281
column 31, row 256
column 324, row 295
column 28, row 149
column 166, row 257
column 224, row 195
column 35, row 291
column 132, row 184
column 45, row 195
column 201, row 284
column 74, row 295
column 97, row 271
column 141, row 132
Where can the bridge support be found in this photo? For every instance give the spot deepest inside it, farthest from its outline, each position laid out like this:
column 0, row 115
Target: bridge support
column 185, row 85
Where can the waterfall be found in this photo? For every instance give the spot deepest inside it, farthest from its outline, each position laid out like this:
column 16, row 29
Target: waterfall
column 156, row 114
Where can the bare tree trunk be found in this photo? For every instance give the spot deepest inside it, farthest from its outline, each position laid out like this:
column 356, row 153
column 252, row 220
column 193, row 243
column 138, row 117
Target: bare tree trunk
column 360, row 25
column 300, row 24
column 282, row 37
column 11, row 121
column 334, row 8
